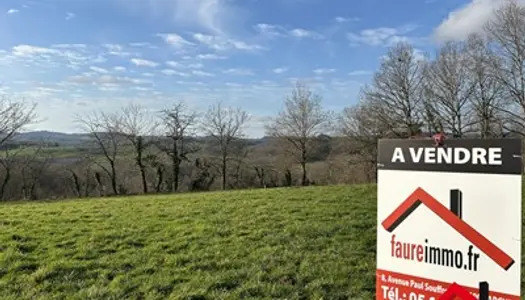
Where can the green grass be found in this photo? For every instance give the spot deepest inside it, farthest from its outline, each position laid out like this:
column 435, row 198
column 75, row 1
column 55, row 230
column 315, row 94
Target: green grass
column 55, row 152
column 308, row 243
column 62, row 152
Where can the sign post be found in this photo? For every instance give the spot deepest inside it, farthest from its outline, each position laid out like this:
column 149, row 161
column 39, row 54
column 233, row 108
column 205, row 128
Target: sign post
column 447, row 215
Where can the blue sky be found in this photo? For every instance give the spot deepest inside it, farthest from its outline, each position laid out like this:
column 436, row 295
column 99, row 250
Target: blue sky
column 72, row 57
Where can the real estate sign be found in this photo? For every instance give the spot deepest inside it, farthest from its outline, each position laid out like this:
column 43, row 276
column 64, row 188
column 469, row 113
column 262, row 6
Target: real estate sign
column 448, row 214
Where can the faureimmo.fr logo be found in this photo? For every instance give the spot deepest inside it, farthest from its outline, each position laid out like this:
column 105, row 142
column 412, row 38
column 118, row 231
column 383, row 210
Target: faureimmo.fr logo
column 426, row 253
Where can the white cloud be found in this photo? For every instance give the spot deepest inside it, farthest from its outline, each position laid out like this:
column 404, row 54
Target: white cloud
column 204, row 13
column 28, row 50
column 221, row 43
column 178, row 65
column 140, row 62
column 70, row 16
column 12, row 11
column 303, row 33
column 71, row 56
column 48, row 90
column 171, row 72
column 116, row 49
column 239, row 71
column 141, row 88
column 279, row 70
column 113, row 47
column 98, row 69
column 209, row 56
column 344, row 20
column 195, row 66
column 69, row 46
column 119, row 69
column 175, row 40
column 168, row 72
column 173, row 64
column 201, row 73
column 143, row 45
column 99, row 59
column 269, row 30
column 324, row 71
column 467, row 19
column 360, row 73
column 382, row 36
column 213, row 16
column 104, row 80
column 273, row 31
column 233, row 84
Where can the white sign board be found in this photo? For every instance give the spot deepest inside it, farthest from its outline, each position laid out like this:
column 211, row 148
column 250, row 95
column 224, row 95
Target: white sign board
column 448, row 214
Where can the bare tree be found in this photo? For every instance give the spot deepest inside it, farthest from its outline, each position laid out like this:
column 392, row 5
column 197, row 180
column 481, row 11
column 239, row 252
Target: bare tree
column 106, row 131
column 14, row 116
column 80, row 179
column 32, row 170
column 396, row 91
column 487, row 99
column 179, row 123
column 507, row 31
column 302, row 119
column 431, row 120
column 137, row 125
column 225, row 126
column 449, row 89
column 362, row 128
column 156, row 162
column 240, row 151
column 77, row 185
column 9, row 161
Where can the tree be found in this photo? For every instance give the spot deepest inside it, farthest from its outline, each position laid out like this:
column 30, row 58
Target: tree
column 136, row 125
column 302, row 119
column 362, row 128
column 487, row 98
column 449, row 89
column 32, row 172
column 507, row 31
column 240, row 152
column 179, row 125
column 224, row 126
column 106, row 132
column 9, row 161
column 14, row 116
column 396, row 91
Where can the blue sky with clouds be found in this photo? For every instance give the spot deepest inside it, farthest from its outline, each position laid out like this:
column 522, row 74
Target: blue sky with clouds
column 72, row 57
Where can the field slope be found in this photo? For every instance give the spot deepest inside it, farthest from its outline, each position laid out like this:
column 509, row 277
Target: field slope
column 296, row 243
column 276, row 243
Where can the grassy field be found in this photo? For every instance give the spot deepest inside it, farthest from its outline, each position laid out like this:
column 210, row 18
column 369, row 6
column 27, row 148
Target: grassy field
column 308, row 243
column 296, row 243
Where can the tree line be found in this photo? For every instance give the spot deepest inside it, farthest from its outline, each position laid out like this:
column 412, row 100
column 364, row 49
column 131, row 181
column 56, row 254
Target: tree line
column 471, row 88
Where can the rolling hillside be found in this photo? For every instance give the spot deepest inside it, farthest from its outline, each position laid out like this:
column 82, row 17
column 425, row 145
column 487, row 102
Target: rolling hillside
column 265, row 244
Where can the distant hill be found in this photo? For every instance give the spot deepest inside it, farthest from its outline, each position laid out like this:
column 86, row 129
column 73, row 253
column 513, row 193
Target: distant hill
column 64, row 139
column 74, row 139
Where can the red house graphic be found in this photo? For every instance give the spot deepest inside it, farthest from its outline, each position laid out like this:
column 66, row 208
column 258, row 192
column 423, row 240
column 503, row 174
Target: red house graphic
column 452, row 218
